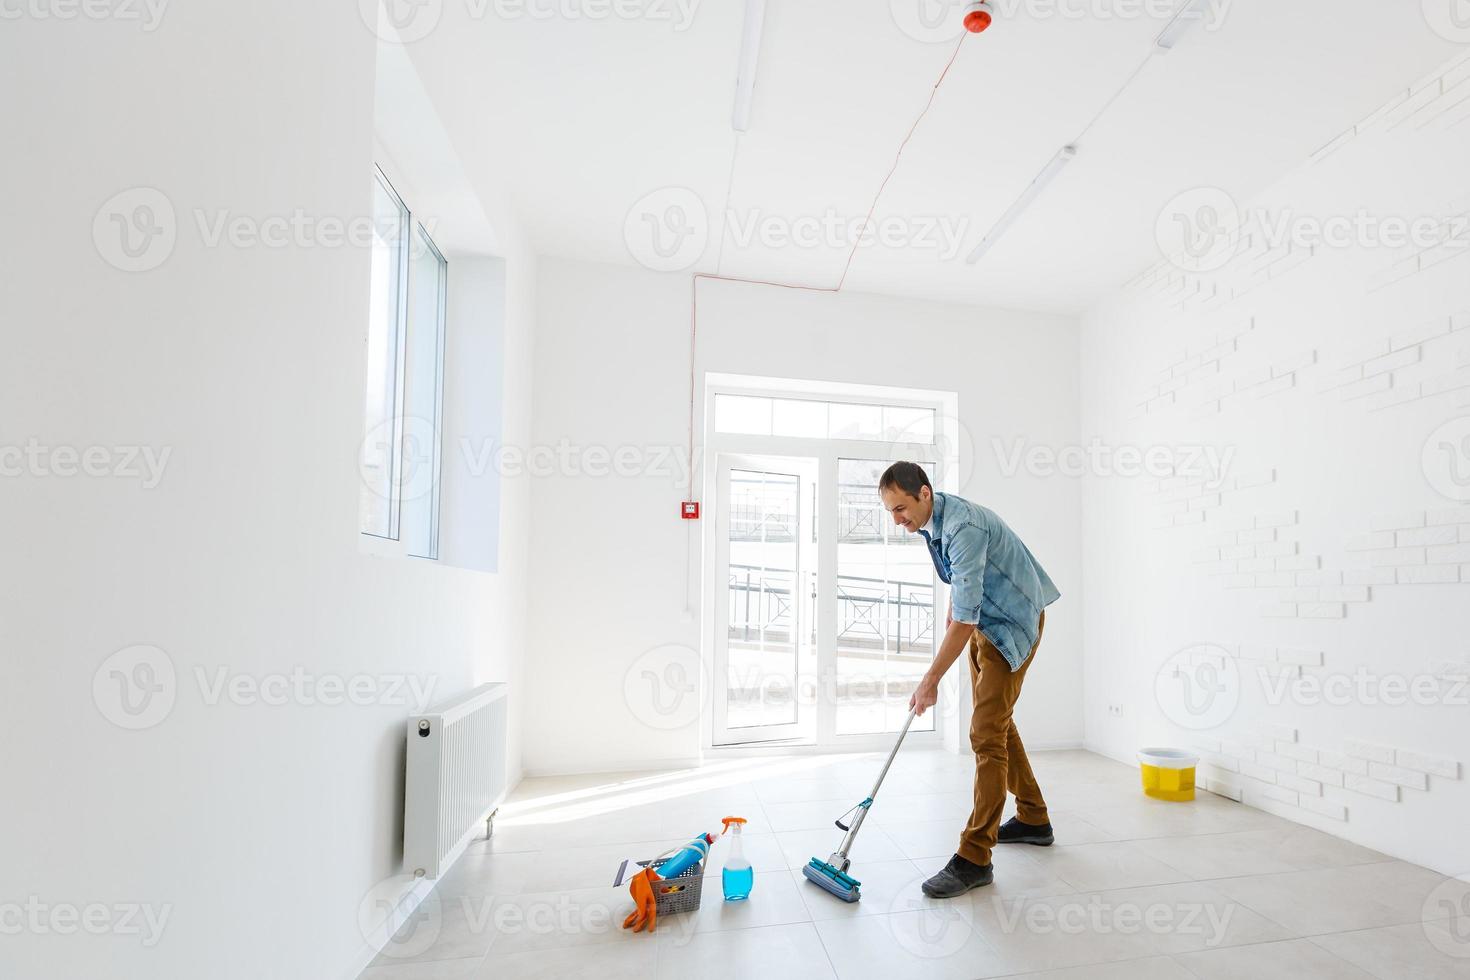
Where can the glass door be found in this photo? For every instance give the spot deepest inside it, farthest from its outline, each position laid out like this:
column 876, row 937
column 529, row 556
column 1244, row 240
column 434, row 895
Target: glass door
column 765, row 598
column 883, row 586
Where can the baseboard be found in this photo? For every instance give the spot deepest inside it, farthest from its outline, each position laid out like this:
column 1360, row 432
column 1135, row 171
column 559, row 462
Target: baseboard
column 612, row 766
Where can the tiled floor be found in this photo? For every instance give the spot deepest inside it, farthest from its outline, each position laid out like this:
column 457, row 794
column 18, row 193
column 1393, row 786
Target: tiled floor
column 1133, row 889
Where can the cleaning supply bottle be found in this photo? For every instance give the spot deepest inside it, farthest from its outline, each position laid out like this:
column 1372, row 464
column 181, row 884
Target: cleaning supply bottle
column 686, row 857
column 738, row 876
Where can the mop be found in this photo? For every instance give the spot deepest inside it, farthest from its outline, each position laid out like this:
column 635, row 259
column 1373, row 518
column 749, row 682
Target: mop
column 831, row 874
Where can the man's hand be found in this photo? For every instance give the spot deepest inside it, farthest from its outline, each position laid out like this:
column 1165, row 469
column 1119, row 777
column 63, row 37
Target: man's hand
column 924, row 696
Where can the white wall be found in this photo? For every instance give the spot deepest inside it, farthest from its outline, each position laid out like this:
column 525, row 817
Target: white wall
column 615, row 573
column 260, row 828
column 1328, row 372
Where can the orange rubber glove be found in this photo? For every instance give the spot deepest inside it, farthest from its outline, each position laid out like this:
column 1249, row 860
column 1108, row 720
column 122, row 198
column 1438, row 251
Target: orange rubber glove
column 645, row 902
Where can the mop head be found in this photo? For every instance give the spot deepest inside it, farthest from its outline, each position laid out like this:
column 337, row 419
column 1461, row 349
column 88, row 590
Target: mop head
column 843, row 885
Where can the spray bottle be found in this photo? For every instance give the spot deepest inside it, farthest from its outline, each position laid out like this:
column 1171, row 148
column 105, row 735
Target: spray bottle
column 738, row 876
column 686, row 857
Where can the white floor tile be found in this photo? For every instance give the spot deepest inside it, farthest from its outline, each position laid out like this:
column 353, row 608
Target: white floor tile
column 1096, row 867
column 1296, row 959
column 1365, row 896
column 774, row 900
column 936, row 944
column 1421, row 951
column 636, row 960
column 1152, row 968
column 784, row 952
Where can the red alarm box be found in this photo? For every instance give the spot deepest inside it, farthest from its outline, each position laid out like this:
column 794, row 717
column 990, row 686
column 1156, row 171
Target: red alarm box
column 689, row 510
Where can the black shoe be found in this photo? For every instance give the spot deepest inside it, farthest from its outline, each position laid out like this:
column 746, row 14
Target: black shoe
column 1013, row 831
column 958, row 877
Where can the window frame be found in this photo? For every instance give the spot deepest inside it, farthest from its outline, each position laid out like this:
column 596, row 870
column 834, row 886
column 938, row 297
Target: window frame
column 394, row 544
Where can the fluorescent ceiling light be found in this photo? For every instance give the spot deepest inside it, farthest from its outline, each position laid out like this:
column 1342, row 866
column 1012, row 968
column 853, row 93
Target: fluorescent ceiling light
column 750, row 52
column 1048, row 173
column 1190, row 13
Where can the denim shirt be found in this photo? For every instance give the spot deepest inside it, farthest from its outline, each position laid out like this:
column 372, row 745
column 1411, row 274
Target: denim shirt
column 994, row 581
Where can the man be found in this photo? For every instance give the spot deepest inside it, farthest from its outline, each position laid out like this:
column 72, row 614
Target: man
column 998, row 597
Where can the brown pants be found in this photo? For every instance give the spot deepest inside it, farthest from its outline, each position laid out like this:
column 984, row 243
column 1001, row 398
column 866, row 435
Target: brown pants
column 1000, row 758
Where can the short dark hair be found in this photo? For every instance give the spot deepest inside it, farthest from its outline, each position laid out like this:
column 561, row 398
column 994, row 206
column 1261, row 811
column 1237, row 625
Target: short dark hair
column 908, row 477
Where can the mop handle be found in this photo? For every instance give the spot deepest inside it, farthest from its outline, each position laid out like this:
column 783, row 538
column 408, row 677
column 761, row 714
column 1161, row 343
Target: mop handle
column 862, row 809
column 891, row 755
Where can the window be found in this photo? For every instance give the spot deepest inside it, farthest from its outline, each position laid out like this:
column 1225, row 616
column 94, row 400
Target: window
column 755, row 415
column 399, row 461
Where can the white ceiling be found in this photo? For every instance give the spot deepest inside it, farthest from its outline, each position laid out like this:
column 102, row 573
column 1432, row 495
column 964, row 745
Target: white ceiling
column 586, row 116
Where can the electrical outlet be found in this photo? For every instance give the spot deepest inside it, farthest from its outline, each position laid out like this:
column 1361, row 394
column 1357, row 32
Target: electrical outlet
column 1115, row 710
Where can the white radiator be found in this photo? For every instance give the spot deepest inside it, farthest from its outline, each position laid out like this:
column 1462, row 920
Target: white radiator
column 456, row 777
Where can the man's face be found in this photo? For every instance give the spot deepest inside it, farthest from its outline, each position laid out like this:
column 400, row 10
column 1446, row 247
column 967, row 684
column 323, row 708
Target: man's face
column 909, row 512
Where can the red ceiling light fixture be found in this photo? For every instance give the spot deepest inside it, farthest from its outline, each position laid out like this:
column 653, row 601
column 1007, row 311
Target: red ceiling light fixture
column 978, row 16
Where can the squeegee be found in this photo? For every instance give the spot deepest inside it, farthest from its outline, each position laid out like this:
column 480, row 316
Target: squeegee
column 831, row 874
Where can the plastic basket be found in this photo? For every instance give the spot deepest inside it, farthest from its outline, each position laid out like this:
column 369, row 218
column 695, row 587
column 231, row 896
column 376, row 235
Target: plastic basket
column 679, row 894
column 1168, row 774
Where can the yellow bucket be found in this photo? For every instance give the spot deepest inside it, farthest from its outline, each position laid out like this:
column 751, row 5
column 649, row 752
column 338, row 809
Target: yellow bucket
column 1168, row 774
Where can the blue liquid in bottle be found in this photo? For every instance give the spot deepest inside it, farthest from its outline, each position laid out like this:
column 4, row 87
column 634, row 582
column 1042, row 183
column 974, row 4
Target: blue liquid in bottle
column 737, row 882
